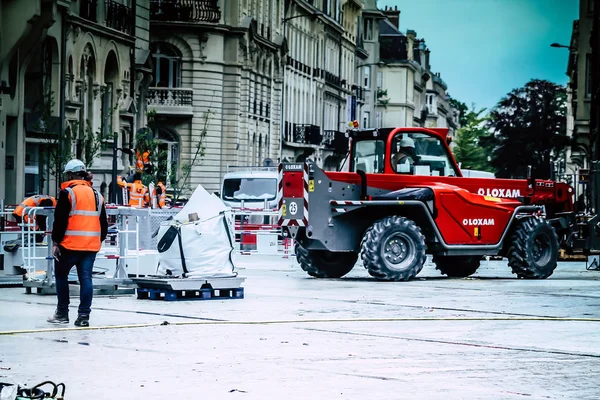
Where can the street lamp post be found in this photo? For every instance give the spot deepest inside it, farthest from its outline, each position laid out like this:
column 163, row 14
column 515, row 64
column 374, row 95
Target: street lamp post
column 282, row 116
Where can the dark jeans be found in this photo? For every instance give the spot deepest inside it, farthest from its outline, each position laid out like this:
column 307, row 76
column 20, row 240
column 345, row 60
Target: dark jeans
column 84, row 261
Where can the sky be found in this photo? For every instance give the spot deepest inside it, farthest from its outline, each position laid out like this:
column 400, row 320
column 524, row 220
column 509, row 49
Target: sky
column 486, row 48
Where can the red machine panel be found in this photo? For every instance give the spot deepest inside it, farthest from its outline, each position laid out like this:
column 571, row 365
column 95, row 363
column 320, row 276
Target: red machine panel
column 470, row 219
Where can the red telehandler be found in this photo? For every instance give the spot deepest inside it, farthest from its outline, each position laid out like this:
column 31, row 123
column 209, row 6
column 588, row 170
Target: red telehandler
column 404, row 197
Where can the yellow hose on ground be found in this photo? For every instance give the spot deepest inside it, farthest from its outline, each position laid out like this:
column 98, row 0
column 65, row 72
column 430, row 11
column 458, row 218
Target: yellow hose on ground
column 301, row 321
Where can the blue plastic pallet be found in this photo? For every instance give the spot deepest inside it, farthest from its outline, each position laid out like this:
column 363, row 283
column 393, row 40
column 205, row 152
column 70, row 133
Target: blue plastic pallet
column 199, row 294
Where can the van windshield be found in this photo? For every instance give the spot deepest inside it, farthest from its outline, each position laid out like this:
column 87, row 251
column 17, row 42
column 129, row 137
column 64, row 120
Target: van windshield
column 250, row 189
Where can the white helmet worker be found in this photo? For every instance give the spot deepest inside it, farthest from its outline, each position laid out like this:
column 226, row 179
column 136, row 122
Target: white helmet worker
column 74, row 166
column 407, row 142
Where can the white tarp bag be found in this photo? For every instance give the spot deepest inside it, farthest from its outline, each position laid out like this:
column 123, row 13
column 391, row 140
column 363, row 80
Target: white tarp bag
column 202, row 248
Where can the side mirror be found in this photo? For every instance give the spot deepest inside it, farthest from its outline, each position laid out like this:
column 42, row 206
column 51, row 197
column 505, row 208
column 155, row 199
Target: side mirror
column 448, row 140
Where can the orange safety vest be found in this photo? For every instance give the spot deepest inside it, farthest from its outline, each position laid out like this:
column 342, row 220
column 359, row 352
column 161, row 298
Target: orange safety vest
column 33, row 201
column 162, row 198
column 138, row 193
column 142, row 159
column 83, row 227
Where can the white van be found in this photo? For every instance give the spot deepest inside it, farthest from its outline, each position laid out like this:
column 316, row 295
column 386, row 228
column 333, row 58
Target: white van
column 252, row 187
column 471, row 173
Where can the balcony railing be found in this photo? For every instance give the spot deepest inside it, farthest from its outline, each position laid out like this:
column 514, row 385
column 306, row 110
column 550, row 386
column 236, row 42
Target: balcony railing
column 175, row 101
column 307, row 134
column 302, row 134
column 332, row 79
column 185, row 10
column 88, row 9
column 336, row 141
column 118, row 16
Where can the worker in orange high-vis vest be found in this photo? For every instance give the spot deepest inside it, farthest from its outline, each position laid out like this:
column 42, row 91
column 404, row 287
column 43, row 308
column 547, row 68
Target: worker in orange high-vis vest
column 39, row 200
column 160, row 194
column 143, row 161
column 138, row 192
column 80, row 227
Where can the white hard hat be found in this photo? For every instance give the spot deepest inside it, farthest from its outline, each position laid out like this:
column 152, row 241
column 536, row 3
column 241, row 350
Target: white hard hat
column 407, row 142
column 74, row 166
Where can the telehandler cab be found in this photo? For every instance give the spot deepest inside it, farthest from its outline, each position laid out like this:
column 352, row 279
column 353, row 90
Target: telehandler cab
column 403, row 197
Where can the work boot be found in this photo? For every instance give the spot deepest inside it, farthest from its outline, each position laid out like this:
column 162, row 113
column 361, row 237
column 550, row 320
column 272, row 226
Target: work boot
column 82, row 321
column 59, row 319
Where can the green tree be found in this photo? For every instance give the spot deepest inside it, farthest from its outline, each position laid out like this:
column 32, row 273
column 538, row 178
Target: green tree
column 462, row 110
column 177, row 177
column 468, row 150
column 529, row 127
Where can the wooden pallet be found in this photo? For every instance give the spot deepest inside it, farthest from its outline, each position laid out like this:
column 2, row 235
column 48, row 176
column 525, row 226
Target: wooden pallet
column 198, row 294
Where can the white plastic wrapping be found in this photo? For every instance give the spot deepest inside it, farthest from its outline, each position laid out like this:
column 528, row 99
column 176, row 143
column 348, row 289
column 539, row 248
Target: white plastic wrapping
column 207, row 244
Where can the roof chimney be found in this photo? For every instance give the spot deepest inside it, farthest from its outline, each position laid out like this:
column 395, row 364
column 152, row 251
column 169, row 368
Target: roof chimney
column 393, row 15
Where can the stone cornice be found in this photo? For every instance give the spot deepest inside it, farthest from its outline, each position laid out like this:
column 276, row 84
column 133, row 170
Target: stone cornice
column 101, row 29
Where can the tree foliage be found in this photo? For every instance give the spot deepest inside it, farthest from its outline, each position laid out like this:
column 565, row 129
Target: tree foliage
column 468, row 150
column 462, row 109
column 529, row 126
column 176, row 176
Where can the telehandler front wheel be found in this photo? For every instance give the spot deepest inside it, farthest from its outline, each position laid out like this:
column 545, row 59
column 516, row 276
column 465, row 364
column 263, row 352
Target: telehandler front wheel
column 325, row 264
column 533, row 251
column 393, row 248
column 457, row 266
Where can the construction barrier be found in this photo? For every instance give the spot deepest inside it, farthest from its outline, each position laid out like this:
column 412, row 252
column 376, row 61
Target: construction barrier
column 264, row 237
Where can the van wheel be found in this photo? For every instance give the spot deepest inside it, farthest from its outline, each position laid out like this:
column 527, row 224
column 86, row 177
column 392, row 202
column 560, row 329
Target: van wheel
column 457, row 266
column 533, row 251
column 325, row 264
column 393, row 248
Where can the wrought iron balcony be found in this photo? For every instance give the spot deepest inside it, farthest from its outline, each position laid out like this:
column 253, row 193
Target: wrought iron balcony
column 336, row 141
column 185, row 10
column 118, row 16
column 173, row 101
column 307, row 134
column 302, row 134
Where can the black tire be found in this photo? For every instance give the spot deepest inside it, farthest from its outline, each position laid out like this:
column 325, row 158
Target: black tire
column 457, row 266
column 533, row 251
column 393, row 249
column 325, row 264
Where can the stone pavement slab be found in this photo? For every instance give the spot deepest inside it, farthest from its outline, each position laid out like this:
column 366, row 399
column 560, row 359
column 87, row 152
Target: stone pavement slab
column 344, row 357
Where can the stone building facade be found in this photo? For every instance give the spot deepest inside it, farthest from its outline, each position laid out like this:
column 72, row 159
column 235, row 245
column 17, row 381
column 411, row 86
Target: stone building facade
column 218, row 69
column 409, row 93
column 67, row 68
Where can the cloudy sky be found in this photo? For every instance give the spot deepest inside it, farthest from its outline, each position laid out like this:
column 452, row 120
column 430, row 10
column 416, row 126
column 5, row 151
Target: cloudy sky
column 486, row 48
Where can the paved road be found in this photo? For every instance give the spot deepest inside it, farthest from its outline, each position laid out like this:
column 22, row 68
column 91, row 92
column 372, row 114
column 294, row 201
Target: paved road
column 449, row 358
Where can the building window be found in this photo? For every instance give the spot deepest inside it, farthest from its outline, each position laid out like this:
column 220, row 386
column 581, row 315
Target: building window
column 588, row 76
column 379, row 80
column 431, row 103
column 107, row 112
column 379, row 118
column 366, row 119
column 367, row 77
column 368, row 29
column 167, row 66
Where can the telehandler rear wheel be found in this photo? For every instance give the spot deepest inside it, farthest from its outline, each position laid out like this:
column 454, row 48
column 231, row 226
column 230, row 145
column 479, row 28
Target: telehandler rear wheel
column 393, row 248
column 325, row 264
column 533, row 251
column 457, row 266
